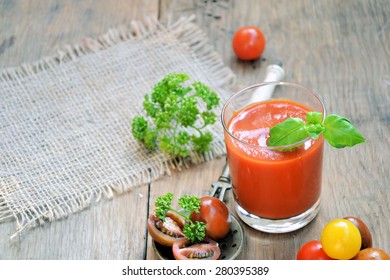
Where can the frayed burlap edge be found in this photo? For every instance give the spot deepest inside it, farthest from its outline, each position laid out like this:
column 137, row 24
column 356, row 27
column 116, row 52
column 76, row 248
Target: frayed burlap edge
column 188, row 34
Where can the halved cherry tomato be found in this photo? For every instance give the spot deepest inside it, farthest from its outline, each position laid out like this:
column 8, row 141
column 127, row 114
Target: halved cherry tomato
column 372, row 254
column 364, row 231
column 248, row 43
column 312, row 250
column 206, row 250
column 168, row 232
column 216, row 215
column 341, row 239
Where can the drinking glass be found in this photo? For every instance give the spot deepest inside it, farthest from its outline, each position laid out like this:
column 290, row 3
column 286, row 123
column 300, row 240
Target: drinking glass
column 276, row 189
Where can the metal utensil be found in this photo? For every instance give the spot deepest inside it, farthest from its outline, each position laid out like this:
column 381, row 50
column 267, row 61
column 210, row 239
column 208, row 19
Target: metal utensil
column 275, row 73
column 223, row 184
column 232, row 244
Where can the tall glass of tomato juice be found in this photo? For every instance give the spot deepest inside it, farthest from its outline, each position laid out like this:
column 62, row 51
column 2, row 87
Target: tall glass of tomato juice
column 276, row 189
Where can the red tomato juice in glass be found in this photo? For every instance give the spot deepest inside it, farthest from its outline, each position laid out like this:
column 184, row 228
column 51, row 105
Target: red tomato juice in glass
column 268, row 182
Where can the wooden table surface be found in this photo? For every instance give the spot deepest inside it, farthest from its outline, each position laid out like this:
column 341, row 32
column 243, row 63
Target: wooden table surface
column 339, row 48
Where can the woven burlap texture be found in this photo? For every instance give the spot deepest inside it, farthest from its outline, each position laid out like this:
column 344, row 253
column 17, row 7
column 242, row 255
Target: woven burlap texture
column 65, row 121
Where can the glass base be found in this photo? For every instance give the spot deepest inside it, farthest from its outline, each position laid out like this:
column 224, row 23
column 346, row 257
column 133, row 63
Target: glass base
column 278, row 226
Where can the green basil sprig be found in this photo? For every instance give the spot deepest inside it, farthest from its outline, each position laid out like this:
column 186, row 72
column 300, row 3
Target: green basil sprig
column 337, row 131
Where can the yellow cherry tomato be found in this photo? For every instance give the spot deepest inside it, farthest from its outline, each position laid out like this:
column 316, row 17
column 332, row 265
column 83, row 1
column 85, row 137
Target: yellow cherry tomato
column 341, row 239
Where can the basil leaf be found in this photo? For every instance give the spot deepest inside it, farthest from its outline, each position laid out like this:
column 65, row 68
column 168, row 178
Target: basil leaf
column 314, row 125
column 314, row 130
column 314, row 117
column 288, row 132
column 340, row 133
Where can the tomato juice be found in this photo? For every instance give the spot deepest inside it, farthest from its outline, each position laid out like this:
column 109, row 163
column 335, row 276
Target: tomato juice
column 268, row 182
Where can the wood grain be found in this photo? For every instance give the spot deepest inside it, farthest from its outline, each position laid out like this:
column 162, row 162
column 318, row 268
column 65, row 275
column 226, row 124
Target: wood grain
column 109, row 230
column 340, row 49
column 31, row 30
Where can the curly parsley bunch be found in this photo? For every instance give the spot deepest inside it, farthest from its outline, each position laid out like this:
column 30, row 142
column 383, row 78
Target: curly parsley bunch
column 173, row 108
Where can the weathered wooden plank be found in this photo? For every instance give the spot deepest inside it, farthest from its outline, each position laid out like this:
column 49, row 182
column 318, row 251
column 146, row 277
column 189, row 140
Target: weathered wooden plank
column 110, row 229
column 338, row 48
column 32, row 30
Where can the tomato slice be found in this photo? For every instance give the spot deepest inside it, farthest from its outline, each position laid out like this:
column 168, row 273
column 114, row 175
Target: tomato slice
column 208, row 249
column 166, row 232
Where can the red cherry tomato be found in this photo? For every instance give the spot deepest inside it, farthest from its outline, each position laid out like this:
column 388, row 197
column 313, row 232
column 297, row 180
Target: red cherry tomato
column 372, row 254
column 312, row 250
column 248, row 43
column 168, row 232
column 206, row 250
column 364, row 232
column 216, row 215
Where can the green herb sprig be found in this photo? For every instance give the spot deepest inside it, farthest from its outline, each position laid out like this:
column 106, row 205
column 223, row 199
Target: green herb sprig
column 193, row 231
column 337, row 131
column 173, row 108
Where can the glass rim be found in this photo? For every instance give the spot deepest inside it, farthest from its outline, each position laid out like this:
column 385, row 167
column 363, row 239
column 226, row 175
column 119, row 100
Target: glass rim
column 282, row 147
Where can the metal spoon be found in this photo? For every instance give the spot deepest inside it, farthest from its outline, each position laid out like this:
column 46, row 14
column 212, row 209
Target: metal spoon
column 223, row 184
column 275, row 73
column 232, row 244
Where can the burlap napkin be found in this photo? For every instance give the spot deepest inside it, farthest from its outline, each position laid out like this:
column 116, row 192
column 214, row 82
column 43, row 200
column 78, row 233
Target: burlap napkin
column 65, row 136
